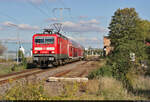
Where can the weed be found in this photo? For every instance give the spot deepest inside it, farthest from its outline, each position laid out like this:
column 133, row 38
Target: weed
column 70, row 89
column 26, row 92
column 92, row 87
column 105, row 70
column 112, row 89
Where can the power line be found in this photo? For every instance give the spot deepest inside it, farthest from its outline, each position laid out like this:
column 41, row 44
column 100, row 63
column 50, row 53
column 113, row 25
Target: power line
column 33, row 5
column 53, row 11
column 69, row 9
column 47, row 7
column 65, row 7
column 10, row 17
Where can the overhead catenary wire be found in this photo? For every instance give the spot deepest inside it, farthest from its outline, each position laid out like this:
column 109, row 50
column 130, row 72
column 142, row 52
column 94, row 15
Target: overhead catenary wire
column 53, row 11
column 46, row 5
column 8, row 16
column 37, row 8
column 62, row 2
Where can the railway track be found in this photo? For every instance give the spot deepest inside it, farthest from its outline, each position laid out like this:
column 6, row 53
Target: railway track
column 26, row 73
column 65, row 73
column 18, row 75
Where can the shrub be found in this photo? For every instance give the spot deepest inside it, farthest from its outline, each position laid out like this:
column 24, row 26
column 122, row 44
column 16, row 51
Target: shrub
column 105, row 70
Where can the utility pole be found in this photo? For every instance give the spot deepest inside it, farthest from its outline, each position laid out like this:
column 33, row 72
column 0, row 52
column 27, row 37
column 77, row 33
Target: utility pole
column 61, row 12
column 17, row 39
column 18, row 47
column 5, row 41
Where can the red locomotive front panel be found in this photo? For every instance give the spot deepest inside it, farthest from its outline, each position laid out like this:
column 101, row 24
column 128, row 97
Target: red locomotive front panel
column 49, row 48
column 44, row 44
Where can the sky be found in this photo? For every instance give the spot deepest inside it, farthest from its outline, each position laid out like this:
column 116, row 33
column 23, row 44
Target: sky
column 85, row 21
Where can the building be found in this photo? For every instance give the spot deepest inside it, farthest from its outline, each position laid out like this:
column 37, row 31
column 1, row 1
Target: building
column 107, row 45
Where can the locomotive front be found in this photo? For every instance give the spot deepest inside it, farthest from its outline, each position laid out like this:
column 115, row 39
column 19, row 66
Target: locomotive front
column 44, row 48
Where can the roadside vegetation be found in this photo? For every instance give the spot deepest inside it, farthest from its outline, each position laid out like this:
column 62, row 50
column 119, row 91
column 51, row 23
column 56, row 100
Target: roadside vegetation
column 25, row 92
column 100, row 90
column 129, row 34
column 10, row 66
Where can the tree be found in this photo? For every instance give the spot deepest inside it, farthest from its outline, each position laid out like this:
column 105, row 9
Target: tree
column 123, row 26
column 126, row 34
column 145, row 29
column 126, row 37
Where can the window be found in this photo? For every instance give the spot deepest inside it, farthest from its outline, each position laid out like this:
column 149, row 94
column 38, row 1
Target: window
column 49, row 40
column 39, row 40
column 44, row 40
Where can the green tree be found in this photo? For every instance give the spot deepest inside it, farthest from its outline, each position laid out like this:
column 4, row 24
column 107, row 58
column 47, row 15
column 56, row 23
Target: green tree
column 126, row 34
column 123, row 26
column 127, row 37
column 145, row 29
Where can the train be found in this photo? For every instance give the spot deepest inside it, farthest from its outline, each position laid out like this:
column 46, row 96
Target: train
column 54, row 48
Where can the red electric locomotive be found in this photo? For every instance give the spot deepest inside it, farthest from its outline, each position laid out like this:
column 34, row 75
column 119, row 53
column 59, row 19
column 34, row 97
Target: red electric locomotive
column 54, row 48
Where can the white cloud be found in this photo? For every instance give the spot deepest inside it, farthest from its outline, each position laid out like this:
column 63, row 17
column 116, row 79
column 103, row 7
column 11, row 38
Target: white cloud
column 84, row 39
column 95, row 39
column 36, row 1
column 8, row 24
column 27, row 27
column 84, row 26
column 93, row 21
column 52, row 19
column 20, row 26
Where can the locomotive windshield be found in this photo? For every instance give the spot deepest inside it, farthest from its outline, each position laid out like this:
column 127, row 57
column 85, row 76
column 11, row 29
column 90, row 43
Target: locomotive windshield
column 39, row 40
column 49, row 40
column 44, row 40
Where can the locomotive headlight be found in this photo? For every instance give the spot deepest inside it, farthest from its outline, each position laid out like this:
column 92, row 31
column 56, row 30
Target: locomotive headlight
column 50, row 48
column 53, row 51
column 38, row 48
column 35, row 52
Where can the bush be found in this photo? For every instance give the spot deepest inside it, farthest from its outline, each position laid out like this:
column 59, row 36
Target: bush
column 19, row 67
column 105, row 70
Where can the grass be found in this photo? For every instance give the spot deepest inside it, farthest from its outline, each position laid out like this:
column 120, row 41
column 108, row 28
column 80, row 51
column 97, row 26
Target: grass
column 104, row 88
column 10, row 68
column 112, row 89
column 142, row 82
column 25, row 92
